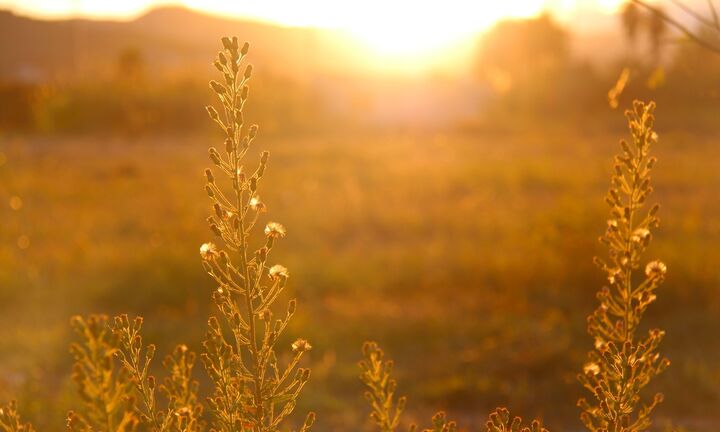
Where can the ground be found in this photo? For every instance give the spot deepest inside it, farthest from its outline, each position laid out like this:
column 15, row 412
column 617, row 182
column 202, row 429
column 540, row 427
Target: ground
column 468, row 256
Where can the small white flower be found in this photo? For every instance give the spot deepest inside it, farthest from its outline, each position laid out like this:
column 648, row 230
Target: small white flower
column 301, row 345
column 275, row 230
column 208, row 251
column 655, row 269
column 257, row 205
column 278, row 272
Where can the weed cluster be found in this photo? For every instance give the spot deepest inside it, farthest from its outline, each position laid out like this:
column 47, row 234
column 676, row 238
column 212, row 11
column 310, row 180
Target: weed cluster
column 255, row 390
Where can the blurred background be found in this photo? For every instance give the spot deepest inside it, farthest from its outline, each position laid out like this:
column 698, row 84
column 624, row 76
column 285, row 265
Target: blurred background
column 440, row 168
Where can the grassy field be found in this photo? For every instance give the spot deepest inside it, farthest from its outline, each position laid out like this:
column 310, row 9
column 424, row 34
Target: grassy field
column 467, row 255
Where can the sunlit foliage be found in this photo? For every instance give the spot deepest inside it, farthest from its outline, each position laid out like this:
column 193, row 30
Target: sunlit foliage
column 253, row 389
column 623, row 361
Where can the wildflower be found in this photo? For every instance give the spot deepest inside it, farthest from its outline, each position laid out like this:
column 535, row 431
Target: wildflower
column 301, row 345
column 655, row 269
column 275, row 230
column 208, row 251
column 612, row 224
column 278, row 272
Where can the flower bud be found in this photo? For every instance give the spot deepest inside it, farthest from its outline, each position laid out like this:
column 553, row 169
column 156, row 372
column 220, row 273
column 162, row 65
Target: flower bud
column 212, row 112
column 214, row 156
column 217, row 87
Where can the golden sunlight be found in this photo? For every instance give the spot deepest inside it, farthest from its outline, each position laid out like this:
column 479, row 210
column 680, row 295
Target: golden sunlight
column 399, row 31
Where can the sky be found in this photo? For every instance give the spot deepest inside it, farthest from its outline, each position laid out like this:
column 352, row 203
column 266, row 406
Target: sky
column 322, row 13
column 389, row 27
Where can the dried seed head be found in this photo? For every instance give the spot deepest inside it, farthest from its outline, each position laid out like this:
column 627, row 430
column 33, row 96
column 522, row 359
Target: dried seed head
column 257, row 205
column 278, row 272
column 275, row 230
column 208, row 251
column 301, row 345
column 655, row 269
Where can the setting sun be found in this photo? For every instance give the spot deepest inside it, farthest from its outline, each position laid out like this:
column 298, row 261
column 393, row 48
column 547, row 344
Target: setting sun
column 399, row 32
column 428, row 29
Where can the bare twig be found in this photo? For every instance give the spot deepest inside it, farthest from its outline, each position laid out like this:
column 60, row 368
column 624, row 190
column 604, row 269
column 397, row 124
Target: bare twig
column 713, row 10
column 681, row 27
column 688, row 10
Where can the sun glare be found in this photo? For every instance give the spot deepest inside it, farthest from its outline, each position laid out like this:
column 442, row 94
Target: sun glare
column 395, row 31
column 410, row 30
column 399, row 29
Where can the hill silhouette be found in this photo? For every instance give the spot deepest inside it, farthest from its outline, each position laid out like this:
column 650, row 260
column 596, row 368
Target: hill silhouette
column 167, row 37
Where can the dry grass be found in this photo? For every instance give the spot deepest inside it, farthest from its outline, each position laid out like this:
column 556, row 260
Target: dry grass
column 512, row 218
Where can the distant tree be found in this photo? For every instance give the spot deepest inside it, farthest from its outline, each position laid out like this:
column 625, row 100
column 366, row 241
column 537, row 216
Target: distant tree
column 631, row 22
column 524, row 51
column 694, row 72
column 657, row 27
column 705, row 34
column 130, row 65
